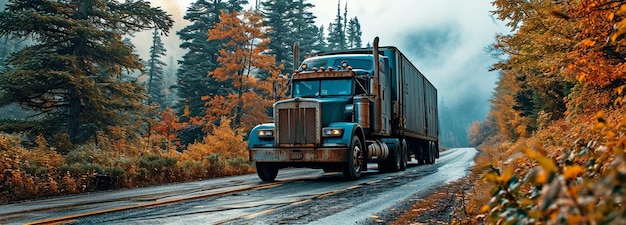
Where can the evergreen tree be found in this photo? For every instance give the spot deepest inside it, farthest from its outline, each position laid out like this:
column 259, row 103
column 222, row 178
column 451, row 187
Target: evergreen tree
column 354, row 33
column 320, row 40
column 306, row 32
column 201, row 56
column 277, row 15
column 156, row 80
column 336, row 33
column 71, row 74
column 290, row 22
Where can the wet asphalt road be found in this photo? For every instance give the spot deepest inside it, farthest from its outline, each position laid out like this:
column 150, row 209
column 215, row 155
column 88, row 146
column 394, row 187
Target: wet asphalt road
column 300, row 196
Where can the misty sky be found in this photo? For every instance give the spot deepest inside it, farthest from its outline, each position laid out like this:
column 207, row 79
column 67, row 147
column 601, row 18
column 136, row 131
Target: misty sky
column 444, row 39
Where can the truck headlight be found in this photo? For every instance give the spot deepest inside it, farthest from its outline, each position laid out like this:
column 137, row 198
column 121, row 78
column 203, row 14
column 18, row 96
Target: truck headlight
column 265, row 133
column 332, row 132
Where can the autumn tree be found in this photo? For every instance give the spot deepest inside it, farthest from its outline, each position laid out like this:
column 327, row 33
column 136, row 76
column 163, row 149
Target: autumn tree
column 156, row 80
column 241, row 55
column 536, row 67
column 71, row 73
column 597, row 61
column 168, row 125
column 201, row 56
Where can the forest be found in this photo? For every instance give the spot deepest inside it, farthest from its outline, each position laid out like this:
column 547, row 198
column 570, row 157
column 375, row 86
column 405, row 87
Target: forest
column 553, row 145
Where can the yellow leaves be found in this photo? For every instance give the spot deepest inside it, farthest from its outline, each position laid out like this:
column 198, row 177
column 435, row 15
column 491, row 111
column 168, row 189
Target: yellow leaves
column 507, row 175
column 571, row 172
column 588, row 42
column 546, row 163
column 581, row 77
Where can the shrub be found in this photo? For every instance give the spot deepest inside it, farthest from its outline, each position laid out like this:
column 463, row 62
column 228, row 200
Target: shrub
column 158, row 168
column 578, row 183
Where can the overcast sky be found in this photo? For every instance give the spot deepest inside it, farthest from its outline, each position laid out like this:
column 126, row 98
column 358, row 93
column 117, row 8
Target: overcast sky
column 445, row 40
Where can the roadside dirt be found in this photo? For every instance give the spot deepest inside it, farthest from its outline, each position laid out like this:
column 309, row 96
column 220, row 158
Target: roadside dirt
column 446, row 205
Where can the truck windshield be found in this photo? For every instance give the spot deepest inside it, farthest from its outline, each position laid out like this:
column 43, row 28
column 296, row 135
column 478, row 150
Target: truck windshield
column 321, row 88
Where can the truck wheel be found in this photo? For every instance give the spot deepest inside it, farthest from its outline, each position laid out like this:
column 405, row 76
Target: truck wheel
column 352, row 169
column 431, row 153
column 266, row 172
column 404, row 158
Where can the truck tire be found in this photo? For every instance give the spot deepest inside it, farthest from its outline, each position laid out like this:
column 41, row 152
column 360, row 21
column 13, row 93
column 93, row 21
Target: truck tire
column 266, row 172
column 352, row 169
column 431, row 153
column 393, row 162
column 404, row 154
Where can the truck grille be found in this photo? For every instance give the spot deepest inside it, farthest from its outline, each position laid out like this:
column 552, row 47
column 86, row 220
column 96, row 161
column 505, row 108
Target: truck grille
column 297, row 123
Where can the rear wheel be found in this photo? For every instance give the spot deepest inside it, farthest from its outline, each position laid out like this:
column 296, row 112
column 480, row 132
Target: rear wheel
column 431, row 153
column 424, row 152
column 404, row 155
column 352, row 169
column 266, row 171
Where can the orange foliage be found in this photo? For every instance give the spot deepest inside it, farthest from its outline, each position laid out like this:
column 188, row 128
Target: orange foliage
column 169, row 124
column 595, row 61
column 223, row 141
column 242, row 53
column 243, row 50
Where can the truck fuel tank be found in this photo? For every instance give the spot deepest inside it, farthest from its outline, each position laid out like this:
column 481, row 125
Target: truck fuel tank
column 362, row 111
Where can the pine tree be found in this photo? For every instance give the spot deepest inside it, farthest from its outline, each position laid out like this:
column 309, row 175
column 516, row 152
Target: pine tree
column 305, row 31
column 290, row 22
column 320, row 40
column 277, row 17
column 336, row 33
column 354, row 33
column 71, row 74
column 156, row 80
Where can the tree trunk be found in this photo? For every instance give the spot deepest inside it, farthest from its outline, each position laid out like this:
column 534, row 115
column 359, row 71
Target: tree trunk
column 73, row 116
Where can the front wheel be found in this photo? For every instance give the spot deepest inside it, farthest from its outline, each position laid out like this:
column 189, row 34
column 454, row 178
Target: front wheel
column 352, row 169
column 266, row 172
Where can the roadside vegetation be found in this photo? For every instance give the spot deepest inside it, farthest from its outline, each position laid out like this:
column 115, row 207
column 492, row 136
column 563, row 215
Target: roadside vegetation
column 40, row 171
column 553, row 148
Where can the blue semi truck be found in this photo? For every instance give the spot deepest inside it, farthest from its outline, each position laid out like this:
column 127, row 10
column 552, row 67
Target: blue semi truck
column 345, row 111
